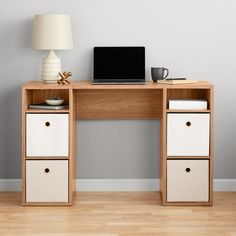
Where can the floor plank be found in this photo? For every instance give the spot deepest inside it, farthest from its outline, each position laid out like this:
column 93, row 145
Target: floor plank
column 118, row 213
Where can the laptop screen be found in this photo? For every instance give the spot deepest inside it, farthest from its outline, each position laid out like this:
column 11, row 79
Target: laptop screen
column 119, row 64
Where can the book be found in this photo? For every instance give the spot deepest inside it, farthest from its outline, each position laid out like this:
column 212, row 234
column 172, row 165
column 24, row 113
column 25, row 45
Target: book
column 177, row 81
column 47, row 107
column 191, row 104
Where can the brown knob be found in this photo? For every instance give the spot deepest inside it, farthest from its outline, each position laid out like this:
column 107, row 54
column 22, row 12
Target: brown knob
column 188, row 169
column 47, row 124
column 46, row 170
column 188, row 123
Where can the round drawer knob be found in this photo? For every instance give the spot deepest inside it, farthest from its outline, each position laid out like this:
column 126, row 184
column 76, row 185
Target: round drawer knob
column 47, row 124
column 188, row 169
column 46, row 170
column 188, row 123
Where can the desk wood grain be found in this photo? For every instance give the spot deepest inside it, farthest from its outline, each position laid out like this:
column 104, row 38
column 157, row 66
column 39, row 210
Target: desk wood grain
column 118, row 104
column 85, row 84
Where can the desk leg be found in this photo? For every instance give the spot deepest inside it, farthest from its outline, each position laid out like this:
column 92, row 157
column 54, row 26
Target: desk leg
column 163, row 147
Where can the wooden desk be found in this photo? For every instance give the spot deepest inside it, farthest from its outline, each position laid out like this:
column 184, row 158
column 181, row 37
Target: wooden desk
column 87, row 101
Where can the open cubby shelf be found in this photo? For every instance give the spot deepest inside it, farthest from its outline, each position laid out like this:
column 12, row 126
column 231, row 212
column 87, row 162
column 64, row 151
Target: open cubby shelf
column 194, row 94
column 33, row 96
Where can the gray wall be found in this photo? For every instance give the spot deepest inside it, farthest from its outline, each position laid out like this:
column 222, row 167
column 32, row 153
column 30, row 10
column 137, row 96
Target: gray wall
column 196, row 39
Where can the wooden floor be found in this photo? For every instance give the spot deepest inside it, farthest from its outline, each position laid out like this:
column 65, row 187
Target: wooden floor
column 118, row 213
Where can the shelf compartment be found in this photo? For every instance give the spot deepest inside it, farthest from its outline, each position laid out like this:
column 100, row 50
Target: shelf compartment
column 190, row 94
column 47, row 135
column 33, row 96
column 188, row 134
column 188, row 180
column 47, row 181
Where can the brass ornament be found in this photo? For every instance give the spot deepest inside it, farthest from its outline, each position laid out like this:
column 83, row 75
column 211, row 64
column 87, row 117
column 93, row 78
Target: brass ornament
column 64, row 77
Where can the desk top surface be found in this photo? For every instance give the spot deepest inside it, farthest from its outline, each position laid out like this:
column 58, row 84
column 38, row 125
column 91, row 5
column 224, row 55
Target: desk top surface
column 77, row 85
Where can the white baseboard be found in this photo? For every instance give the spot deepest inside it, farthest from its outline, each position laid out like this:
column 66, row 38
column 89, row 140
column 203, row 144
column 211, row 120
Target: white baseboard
column 227, row 185
column 10, row 184
column 119, row 185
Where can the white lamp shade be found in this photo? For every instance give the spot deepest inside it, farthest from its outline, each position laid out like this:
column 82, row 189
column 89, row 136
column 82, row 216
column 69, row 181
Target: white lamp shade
column 52, row 32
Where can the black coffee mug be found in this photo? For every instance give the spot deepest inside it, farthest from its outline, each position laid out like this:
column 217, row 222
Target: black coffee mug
column 158, row 73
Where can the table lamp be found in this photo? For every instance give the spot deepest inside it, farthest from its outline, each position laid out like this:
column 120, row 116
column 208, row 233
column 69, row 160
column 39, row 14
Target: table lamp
column 51, row 32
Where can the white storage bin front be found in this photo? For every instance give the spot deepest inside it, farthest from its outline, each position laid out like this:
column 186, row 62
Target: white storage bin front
column 47, row 134
column 187, row 180
column 47, row 181
column 188, row 134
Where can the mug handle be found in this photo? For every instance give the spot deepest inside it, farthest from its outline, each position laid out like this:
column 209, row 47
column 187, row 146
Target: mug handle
column 167, row 72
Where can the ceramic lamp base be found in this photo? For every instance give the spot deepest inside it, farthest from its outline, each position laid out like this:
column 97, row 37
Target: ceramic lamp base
column 51, row 68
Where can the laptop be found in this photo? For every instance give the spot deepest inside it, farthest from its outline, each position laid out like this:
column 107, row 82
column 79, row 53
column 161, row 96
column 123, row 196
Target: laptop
column 119, row 65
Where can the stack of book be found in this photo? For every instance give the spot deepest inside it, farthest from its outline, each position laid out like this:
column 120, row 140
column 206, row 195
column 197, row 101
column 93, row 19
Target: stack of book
column 177, row 81
column 45, row 106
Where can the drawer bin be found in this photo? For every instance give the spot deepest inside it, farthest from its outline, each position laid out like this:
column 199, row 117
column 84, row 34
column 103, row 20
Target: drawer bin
column 188, row 134
column 47, row 181
column 187, row 180
column 47, row 134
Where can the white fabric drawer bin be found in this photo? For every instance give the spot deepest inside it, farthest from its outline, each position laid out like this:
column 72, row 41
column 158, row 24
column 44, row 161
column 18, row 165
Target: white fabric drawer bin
column 47, row 181
column 47, row 134
column 188, row 134
column 187, row 180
